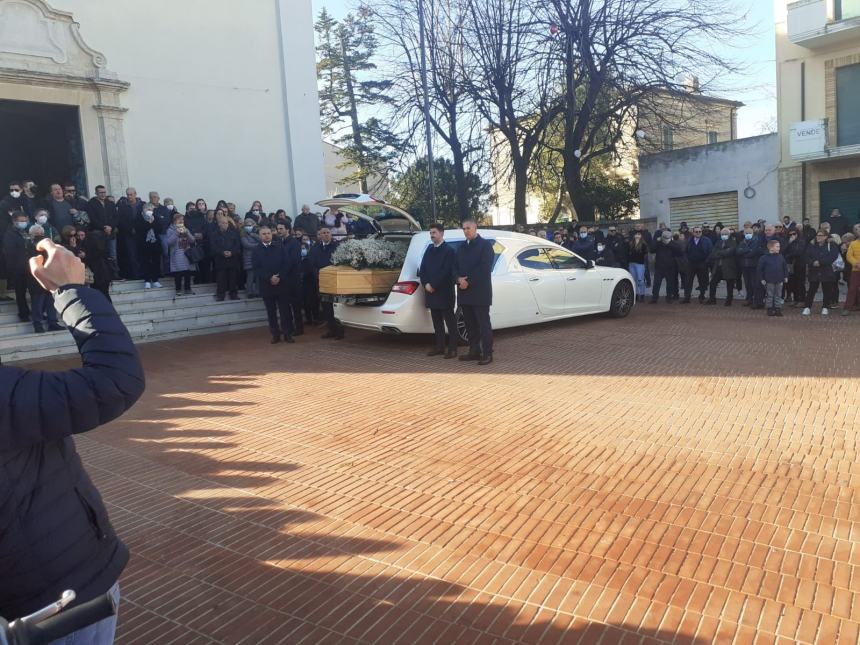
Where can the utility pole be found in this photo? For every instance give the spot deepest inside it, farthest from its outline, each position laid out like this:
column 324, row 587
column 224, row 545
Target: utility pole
column 427, row 130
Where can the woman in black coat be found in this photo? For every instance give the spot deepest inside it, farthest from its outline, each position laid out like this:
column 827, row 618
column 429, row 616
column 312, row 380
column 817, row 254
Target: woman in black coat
column 226, row 247
column 820, row 256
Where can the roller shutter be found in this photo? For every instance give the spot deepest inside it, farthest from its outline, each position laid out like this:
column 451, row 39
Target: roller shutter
column 697, row 209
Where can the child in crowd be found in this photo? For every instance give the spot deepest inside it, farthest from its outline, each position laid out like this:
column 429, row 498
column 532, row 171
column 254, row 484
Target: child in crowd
column 772, row 273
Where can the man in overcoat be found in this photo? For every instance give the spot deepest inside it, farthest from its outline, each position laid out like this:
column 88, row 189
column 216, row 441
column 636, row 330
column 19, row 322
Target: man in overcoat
column 274, row 268
column 474, row 270
column 437, row 277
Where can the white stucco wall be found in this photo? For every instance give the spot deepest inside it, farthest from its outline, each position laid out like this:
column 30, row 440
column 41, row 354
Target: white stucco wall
column 717, row 168
column 207, row 111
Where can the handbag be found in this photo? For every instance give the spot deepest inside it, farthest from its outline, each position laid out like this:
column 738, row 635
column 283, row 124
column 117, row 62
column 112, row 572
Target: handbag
column 195, row 254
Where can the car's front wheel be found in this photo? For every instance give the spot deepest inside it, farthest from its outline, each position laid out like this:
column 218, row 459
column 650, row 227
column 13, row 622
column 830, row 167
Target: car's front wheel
column 622, row 300
column 461, row 327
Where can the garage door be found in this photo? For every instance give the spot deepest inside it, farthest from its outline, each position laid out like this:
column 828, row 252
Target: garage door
column 696, row 209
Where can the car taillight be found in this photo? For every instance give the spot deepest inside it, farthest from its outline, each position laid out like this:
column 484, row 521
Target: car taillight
column 405, row 287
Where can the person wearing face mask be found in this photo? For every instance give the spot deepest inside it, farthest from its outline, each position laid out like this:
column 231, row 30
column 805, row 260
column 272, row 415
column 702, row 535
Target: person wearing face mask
column 250, row 241
column 256, row 212
column 604, row 257
column 49, row 231
column 725, row 262
column 820, row 257
column 128, row 210
column 32, row 202
column 699, row 250
column 583, row 245
column 16, row 252
column 12, row 203
column 749, row 251
column 149, row 247
column 310, row 288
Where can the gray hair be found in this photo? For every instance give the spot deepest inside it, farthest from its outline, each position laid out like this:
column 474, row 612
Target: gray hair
column 36, row 229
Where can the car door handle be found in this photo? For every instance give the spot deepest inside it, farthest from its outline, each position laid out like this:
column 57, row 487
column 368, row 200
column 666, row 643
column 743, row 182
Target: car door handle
column 571, row 279
column 534, row 279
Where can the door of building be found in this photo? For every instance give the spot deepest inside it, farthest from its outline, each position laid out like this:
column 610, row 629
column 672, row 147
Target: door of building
column 42, row 142
column 843, row 194
column 698, row 209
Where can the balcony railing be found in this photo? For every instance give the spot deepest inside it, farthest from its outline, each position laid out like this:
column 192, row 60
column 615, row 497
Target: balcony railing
column 823, row 23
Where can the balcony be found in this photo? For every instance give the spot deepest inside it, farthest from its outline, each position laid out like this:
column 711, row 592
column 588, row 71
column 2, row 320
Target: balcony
column 808, row 141
column 823, row 23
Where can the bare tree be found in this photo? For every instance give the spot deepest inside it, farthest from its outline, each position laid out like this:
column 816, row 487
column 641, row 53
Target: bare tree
column 510, row 81
column 452, row 115
column 622, row 61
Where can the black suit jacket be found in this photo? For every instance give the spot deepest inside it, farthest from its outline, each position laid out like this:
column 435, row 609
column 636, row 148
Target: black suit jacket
column 437, row 270
column 475, row 263
column 269, row 261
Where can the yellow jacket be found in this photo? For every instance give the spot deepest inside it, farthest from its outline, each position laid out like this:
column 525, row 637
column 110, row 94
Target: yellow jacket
column 853, row 255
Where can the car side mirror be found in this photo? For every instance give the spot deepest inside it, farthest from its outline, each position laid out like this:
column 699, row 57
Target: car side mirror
column 589, row 264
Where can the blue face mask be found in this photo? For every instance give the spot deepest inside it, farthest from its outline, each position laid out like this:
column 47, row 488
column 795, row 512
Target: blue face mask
column 22, row 225
column 748, row 236
column 583, row 235
column 304, row 252
column 249, row 229
column 724, row 237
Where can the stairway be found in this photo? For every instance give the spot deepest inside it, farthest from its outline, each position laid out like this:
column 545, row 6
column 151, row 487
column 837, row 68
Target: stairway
column 150, row 315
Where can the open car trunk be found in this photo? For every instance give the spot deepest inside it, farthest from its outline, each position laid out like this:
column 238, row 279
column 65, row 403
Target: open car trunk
column 387, row 220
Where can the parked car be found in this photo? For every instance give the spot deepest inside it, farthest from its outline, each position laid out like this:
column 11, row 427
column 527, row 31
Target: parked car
column 533, row 281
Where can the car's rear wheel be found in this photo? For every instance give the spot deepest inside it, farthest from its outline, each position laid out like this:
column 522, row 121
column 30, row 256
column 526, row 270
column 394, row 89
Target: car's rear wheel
column 622, row 300
column 461, row 327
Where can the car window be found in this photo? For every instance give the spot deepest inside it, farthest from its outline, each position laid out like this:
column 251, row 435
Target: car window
column 535, row 259
column 563, row 259
column 498, row 249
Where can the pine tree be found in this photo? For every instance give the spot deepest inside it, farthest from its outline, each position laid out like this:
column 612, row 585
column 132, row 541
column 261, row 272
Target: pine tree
column 345, row 52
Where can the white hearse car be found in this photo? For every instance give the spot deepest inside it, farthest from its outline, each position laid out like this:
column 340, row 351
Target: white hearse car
column 534, row 280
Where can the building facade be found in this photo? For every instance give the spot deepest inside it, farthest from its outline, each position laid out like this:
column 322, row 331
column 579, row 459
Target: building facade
column 818, row 92
column 670, row 121
column 199, row 98
column 731, row 183
column 338, row 169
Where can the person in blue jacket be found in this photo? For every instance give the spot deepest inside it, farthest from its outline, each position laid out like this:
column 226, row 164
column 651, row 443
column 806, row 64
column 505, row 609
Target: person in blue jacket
column 772, row 274
column 55, row 533
column 583, row 245
column 699, row 250
column 274, row 268
column 436, row 274
column 474, row 268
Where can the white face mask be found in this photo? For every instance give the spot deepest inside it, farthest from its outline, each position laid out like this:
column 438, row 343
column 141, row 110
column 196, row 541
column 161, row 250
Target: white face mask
column 15, row 193
column 600, row 247
column 170, row 207
column 42, row 219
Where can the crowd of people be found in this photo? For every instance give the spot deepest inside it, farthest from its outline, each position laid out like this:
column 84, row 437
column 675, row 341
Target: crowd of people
column 769, row 263
column 133, row 239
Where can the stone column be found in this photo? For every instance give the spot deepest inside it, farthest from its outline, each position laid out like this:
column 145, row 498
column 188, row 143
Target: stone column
column 113, row 147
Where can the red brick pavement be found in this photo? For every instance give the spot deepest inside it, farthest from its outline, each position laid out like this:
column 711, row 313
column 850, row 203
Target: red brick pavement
column 686, row 475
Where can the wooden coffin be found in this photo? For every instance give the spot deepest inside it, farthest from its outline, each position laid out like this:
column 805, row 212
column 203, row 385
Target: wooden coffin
column 346, row 281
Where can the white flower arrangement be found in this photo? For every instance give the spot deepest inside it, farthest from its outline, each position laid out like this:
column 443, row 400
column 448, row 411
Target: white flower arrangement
column 370, row 253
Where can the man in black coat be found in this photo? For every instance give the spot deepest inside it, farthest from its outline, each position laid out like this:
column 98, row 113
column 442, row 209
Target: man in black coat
column 436, row 274
column 16, row 253
column 274, row 267
column 320, row 257
column 474, row 268
column 56, row 534
column 103, row 217
column 128, row 209
column 293, row 249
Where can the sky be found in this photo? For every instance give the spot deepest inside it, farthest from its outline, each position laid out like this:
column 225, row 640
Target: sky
column 756, row 88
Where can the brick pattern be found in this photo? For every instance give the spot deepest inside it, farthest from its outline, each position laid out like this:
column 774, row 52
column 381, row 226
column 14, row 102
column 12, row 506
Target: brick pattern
column 683, row 475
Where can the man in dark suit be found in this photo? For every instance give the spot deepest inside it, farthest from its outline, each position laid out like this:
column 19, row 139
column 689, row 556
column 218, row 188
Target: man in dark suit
column 273, row 268
column 474, row 268
column 320, row 257
column 437, row 275
column 293, row 248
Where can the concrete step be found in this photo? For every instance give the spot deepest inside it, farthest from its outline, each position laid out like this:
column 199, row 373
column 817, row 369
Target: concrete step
column 210, row 319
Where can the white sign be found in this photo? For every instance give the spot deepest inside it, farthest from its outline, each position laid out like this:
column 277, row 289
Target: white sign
column 808, row 137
